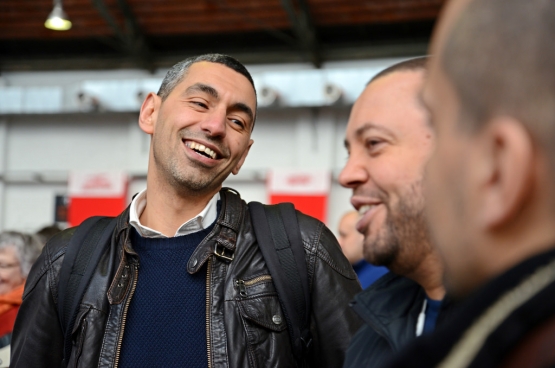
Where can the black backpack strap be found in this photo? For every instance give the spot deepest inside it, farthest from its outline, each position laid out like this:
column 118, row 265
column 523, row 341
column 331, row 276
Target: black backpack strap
column 81, row 258
column 279, row 239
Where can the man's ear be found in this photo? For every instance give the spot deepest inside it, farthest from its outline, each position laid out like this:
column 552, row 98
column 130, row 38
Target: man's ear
column 149, row 112
column 237, row 167
column 507, row 171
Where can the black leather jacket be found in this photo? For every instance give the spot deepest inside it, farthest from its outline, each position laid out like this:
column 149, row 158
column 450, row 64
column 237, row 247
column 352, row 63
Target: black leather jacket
column 240, row 329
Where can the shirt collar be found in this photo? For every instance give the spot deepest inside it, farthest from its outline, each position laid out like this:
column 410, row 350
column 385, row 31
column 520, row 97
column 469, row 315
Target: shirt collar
column 200, row 222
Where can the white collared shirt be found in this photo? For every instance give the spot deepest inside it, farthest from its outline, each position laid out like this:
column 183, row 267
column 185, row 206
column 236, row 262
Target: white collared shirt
column 200, row 222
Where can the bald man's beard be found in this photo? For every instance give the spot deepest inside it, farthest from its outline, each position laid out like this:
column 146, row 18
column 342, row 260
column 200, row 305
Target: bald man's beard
column 403, row 241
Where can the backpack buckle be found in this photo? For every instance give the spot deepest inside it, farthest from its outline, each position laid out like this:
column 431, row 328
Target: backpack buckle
column 222, row 253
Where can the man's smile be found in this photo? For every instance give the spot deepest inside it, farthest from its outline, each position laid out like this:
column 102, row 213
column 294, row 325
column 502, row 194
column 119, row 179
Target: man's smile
column 201, row 149
column 366, row 208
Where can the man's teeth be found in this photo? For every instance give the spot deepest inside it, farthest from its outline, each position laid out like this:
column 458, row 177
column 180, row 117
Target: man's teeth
column 201, row 148
column 367, row 207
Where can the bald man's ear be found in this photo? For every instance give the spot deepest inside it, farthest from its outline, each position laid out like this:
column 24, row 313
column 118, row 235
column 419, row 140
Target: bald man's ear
column 149, row 112
column 507, row 171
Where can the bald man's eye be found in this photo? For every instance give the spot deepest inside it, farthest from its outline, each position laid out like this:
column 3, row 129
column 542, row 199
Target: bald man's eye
column 373, row 143
column 237, row 122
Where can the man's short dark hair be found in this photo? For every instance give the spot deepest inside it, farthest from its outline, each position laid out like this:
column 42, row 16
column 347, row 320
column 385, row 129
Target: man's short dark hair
column 416, row 64
column 500, row 58
column 179, row 71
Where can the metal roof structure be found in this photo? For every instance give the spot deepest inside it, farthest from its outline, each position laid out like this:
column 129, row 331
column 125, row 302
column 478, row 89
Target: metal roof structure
column 150, row 34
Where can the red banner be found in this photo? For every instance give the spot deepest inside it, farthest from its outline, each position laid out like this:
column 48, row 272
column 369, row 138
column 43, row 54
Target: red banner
column 96, row 194
column 308, row 190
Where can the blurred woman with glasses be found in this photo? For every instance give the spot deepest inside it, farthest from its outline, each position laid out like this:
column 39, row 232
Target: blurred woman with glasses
column 18, row 252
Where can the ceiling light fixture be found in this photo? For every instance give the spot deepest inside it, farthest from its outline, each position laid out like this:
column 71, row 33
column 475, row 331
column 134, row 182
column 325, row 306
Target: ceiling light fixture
column 58, row 19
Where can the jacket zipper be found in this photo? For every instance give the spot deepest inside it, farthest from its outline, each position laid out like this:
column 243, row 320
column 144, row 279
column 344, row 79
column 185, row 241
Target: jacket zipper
column 208, row 309
column 127, row 302
column 242, row 284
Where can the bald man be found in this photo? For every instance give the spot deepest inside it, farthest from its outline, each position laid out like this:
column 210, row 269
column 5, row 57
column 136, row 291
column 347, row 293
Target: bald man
column 389, row 141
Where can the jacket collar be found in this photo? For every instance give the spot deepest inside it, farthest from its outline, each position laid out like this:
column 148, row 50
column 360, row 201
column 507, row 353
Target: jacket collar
column 222, row 240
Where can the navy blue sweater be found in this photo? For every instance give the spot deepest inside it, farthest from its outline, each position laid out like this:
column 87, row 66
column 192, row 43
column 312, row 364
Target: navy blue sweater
column 166, row 320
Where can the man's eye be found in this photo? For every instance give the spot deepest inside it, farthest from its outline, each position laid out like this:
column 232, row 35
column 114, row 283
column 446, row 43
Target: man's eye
column 371, row 143
column 201, row 104
column 374, row 145
column 238, row 122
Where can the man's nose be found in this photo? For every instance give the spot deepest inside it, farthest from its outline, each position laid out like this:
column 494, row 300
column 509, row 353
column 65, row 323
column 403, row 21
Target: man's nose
column 353, row 174
column 215, row 124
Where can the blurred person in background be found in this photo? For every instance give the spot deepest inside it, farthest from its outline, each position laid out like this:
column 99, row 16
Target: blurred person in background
column 183, row 281
column 351, row 241
column 389, row 141
column 18, row 252
column 490, row 184
column 47, row 232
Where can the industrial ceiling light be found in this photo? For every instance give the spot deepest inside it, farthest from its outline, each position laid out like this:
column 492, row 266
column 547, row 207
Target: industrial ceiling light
column 58, row 19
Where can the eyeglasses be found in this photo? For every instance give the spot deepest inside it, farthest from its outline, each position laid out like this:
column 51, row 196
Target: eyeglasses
column 5, row 266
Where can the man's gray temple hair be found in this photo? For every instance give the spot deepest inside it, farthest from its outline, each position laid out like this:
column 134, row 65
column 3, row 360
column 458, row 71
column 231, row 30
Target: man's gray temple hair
column 27, row 248
column 415, row 64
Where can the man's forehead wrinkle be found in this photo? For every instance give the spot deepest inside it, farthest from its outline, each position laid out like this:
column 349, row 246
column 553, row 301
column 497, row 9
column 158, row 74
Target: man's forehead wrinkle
column 201, row 87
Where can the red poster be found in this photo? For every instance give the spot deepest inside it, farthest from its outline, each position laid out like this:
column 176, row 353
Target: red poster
column 96, row 194
column 308, row 190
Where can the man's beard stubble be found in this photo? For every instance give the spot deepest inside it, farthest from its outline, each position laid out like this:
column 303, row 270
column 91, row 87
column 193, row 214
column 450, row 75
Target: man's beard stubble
column 404, row 240
column 181, row 178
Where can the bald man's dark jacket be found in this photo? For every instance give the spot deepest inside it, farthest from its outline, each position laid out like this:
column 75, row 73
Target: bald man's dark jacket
column 241, row 330
column 509, row 322
column 390, row 309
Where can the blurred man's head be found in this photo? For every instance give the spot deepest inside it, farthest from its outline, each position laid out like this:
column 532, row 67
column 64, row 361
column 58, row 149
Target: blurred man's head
column 350, row 239
column 389, row 142
column 491, row 97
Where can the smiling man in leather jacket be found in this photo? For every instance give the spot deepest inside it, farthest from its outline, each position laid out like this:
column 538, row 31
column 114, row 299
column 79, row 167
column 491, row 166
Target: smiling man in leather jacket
column 161, row 296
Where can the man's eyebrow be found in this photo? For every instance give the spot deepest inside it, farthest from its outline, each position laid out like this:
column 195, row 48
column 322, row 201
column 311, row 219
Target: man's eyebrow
column 360, row 131
column 199, row 87
column 367, row 126
column 244, row 108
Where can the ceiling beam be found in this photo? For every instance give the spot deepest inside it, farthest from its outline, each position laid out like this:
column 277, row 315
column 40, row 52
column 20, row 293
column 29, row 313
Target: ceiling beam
column 301, row 20
column 355, row 51
column 131, row 39
column 289, row 40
